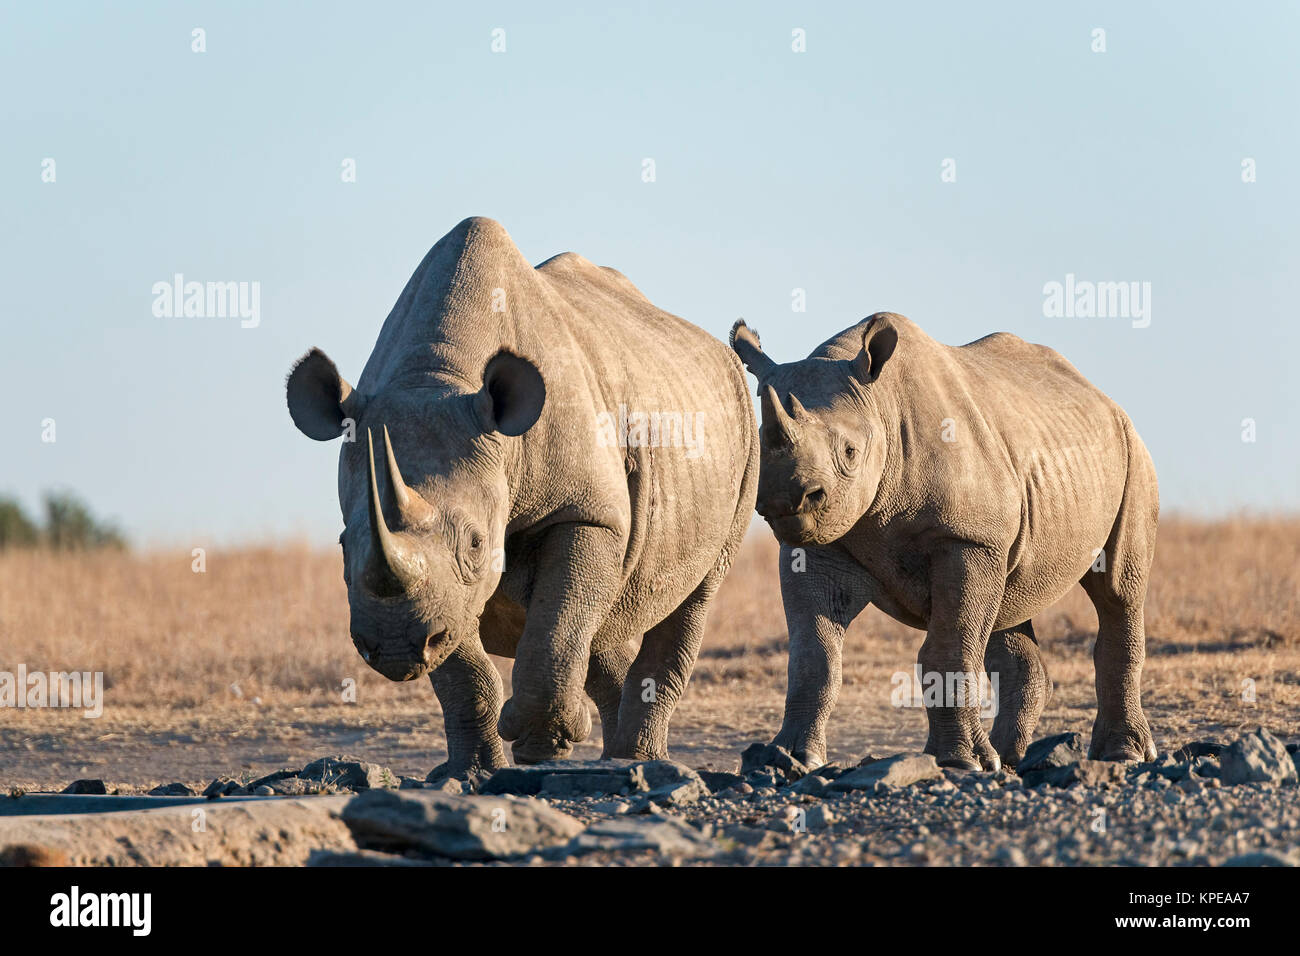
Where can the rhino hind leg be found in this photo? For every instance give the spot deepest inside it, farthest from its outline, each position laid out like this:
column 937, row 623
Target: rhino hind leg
column 658, row 676
column 469, row 689
column 1117, row 587
column 606, row 675
column 1121, row 731
column 1023, row 686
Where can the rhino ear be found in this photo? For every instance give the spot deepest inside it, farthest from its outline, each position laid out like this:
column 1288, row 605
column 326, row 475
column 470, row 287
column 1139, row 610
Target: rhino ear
column 745, row 341
column 513, row 394
column 878, row 343
column 319, row 397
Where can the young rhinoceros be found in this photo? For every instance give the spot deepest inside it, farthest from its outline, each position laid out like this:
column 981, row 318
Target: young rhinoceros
column 531, row 477
column 961, row 491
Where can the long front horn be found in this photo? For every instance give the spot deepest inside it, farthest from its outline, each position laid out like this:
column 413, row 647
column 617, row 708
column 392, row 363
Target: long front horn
column 395, row 565
column 411, row 508
column 772, row 407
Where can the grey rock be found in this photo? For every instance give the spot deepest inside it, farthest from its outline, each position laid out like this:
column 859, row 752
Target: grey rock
column 224, row 787
column 462, row 828
column 1089, row 773
column 671, row 784
column 1206, row 767
column 1257, row 758
column 172, row 790
column 663, row 835
column 901, row 770
column 1197, row 748
column 293, row 786
column 596, row 783
column 1174, row 772
column 774, row 758
column 1060, row 750
column 662, row 773
column 765, row 779
column 718, row 781
column 86, row 787
column 660, row 781
column 680, row 793
column 349, row 773
column 585, row 777
column 814, row 785
column 273, row 778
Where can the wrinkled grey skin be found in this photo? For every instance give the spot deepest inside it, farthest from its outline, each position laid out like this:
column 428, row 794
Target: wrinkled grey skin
column 966, row 538
column 484, row 514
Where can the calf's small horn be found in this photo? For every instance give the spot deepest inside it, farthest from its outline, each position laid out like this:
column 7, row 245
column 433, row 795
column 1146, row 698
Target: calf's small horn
column 772, row 406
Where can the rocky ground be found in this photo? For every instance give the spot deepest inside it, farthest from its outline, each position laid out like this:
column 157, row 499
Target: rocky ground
column 1208, row 803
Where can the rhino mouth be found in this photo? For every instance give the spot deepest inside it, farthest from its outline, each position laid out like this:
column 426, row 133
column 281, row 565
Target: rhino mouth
column 406, row 663
column 794, row 528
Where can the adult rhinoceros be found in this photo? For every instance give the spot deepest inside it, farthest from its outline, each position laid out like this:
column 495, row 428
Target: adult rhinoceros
column 546, row 467
column 962, row 491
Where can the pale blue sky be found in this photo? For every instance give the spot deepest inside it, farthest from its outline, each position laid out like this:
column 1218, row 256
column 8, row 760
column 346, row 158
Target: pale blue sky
column 775, row 171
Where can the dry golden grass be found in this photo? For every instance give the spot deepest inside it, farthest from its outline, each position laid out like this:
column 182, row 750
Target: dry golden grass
column 272, row 622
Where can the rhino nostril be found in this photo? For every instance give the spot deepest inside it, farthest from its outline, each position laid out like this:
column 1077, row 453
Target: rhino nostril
column 812, row 499
column 366, row 648
column 434, row 639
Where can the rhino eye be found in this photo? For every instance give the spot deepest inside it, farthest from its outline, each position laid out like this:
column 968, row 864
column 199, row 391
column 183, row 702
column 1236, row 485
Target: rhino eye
column 850, row 452
column 475, row 541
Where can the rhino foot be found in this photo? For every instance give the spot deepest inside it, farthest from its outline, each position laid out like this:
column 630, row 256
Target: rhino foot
column 541, row 737
column 809, row 752
column 540, row 748
column 1128, row 742
column 465, row 770
column 958, row 740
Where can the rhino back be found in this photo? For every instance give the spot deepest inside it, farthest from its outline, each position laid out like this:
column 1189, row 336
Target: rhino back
column 1004, row 443
column 686, row 486
column 599, row 343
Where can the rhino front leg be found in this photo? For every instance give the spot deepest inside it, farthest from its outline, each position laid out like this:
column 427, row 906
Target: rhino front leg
column 966, row 588
column 469, row 689
column 822, row 590
column 575, row 584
